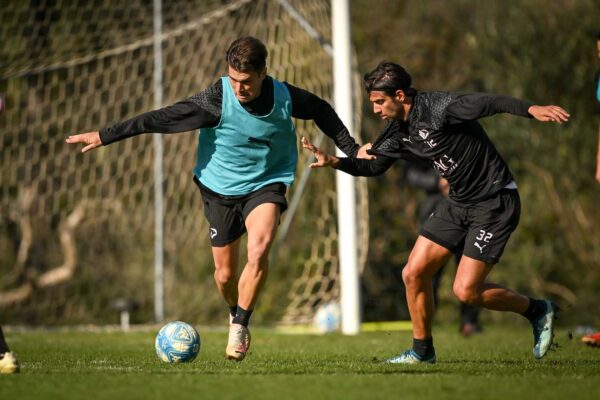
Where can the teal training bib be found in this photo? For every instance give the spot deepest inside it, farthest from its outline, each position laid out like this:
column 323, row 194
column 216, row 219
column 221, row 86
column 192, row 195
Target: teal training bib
column 244, row 152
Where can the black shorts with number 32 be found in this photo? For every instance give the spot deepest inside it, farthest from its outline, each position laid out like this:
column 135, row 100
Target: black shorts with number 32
column 484, row 227
column 227, row 215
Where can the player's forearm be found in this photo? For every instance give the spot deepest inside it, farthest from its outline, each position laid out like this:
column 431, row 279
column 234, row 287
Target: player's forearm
column 119, row 131
column 180, row 117
column 344, row 141
column 506, row 104
column 472, row 106
column 360, row 167
column 329, row 122
column 309, row 106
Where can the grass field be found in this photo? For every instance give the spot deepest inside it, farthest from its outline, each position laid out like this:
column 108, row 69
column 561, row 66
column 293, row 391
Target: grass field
column 497, row 364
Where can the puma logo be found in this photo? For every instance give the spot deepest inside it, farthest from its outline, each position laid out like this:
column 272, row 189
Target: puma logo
column 480, row 247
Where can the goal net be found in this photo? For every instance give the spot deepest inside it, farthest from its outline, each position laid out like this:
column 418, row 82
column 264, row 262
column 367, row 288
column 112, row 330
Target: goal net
column 77, row 230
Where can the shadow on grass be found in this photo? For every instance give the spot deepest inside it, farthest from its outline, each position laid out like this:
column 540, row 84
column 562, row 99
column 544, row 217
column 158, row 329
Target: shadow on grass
column 299, row 368
column 545, row 362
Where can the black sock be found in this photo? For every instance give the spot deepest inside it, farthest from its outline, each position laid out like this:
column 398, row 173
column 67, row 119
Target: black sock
column 242, row 316
column 536, row 309
column 423, row 347
column 3, row 346
column 233, row 311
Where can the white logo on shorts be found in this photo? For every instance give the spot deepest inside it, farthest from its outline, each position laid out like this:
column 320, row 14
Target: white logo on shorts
column 213, row 233
column 483, row 236
column 480, row 247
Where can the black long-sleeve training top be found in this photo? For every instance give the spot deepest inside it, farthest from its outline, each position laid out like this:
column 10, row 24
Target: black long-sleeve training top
column 442, row 131
column 203, row 110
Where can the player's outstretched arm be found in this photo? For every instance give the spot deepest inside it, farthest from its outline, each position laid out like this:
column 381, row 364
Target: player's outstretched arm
column 323, row 159
column 549, row 113
column 91, row 140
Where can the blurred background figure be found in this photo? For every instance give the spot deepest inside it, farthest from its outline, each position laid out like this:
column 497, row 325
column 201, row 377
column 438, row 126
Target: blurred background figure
column 436, row 189
column 597, row 87
column 594, row 339
column 8, row 361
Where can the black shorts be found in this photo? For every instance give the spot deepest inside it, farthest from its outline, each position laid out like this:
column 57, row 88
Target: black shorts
column 226, row 215
column 483, row 227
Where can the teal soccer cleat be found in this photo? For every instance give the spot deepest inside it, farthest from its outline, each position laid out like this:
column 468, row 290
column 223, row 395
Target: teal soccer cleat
column 410, row 357
column 543, row 330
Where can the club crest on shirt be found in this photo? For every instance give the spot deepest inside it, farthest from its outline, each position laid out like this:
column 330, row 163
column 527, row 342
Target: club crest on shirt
column 424, row 133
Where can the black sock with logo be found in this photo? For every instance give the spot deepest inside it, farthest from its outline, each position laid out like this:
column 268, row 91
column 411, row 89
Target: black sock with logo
column 423, row 347
column 242, row 316
column 536, row 309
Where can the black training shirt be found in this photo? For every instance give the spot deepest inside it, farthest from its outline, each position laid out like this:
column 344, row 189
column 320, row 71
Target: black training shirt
column 442, row 131
column 203, row 110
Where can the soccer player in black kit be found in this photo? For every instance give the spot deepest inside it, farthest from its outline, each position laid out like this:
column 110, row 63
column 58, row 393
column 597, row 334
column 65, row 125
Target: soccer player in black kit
column 441, row 130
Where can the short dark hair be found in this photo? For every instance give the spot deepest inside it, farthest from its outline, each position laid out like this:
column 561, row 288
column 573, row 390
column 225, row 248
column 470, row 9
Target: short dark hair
column 247, row 54
column 388, row 77
column 598, row 36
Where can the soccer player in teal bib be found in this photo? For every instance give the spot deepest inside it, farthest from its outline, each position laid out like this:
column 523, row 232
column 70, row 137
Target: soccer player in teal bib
column 246, row 160
column 244, row 152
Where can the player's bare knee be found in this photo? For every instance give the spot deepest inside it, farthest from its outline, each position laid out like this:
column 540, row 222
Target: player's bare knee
column 223, row 275
column 410, row 276
column 466, row 295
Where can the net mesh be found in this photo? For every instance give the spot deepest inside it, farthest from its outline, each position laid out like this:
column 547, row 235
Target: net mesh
column 77, row 229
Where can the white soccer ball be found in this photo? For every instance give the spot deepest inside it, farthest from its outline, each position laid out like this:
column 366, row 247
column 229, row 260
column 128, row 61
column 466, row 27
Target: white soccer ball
column 177, row 342
column 328, row 318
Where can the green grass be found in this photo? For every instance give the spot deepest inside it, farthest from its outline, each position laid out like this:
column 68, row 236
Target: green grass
column 497, row 364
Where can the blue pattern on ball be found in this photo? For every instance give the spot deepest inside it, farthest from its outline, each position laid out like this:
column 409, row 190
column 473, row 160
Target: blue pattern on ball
column 177, row 342
column 328, row 318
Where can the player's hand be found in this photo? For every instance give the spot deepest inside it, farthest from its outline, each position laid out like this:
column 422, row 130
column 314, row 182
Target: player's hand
column 549, row 114
column 444, row 186
column 323, row 159
column 91, row 140
column 362, row 152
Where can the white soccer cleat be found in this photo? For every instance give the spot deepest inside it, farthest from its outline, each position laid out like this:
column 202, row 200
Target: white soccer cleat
column 238, row 343
column 9, row 364
column 543, row 330
column 410, row 357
